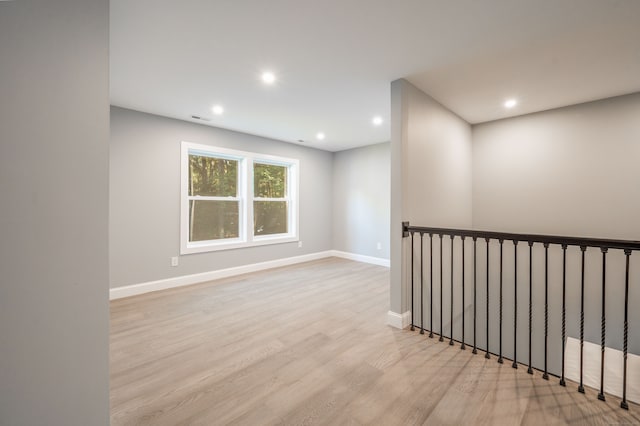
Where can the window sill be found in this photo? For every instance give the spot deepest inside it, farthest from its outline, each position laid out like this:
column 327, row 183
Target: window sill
column 205, row 247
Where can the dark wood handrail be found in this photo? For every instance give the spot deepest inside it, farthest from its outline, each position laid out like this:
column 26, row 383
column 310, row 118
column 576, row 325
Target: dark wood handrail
column 534, row 238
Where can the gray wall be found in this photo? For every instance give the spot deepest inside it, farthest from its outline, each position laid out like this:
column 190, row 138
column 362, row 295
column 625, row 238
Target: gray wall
column 145, row 198
column 438, row 164
column 570, row 171
column 430, row 174
column 361, row 191
column 54, row 128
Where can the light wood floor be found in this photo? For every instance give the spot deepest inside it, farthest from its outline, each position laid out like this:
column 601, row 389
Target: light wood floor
column 308, row 344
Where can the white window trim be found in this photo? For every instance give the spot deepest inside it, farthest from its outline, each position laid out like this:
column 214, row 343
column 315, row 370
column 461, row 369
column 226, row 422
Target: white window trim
column 244, row 196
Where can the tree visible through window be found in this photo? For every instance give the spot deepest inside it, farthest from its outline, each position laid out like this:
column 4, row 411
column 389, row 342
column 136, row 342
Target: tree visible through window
column 234, row 199
column 269, row 199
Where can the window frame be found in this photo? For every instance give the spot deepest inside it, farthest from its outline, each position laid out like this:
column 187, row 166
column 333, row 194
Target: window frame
column 244, row 196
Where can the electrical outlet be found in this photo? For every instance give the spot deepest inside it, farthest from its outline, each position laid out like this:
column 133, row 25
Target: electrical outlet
column 174, row 261
column 379, row 246
column 299, row 244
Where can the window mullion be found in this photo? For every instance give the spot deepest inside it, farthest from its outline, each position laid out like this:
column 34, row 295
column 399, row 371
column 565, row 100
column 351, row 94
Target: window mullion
column 249, row 197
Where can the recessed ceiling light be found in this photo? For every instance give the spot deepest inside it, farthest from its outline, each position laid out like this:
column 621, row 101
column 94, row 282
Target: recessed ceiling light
column 377, row 120
column 268, row 77
column 320, row 136
column 510, row 103
column 217, row 110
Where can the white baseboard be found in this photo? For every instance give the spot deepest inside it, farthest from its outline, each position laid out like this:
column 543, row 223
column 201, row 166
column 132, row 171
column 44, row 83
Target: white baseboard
column 362, row 258
column 136, row 289
column 397, row 320
column 613, row 372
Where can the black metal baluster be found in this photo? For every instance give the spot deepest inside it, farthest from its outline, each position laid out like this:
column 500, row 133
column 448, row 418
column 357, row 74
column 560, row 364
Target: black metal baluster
column 603, row 323
column 581, row 386
column 475, row 350
column 451, row 324
column 500, row 360
column 441, row 306
column 412, row 308
column 530, row 370
column 431, row 285
column 515, row 305
column 421, row 283
column 546, row 308
column 462, row 346
column 487, row 355
column 564, row 307
column 624, row 404
column 583, row 243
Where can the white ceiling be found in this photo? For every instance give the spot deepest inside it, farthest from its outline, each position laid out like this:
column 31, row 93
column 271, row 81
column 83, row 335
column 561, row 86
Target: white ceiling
column 335, row 59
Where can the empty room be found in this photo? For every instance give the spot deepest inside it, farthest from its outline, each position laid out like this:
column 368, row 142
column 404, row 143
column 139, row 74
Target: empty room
column 296, row 212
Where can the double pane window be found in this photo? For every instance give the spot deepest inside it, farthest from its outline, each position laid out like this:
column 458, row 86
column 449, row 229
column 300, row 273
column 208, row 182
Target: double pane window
column 234, row 199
